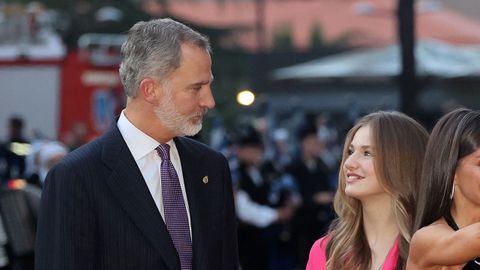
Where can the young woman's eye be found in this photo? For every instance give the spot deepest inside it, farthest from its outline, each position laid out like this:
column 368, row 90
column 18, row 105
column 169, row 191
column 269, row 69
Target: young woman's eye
column 367, row 153
column 349, row 152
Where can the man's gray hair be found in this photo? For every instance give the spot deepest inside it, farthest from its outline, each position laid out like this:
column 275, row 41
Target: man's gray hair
column 153, row 49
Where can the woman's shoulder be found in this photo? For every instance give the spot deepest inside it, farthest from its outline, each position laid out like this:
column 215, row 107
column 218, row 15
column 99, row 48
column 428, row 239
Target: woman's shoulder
column 322, row 242
column 426, row 238
column 317, row 259
column 431, row 232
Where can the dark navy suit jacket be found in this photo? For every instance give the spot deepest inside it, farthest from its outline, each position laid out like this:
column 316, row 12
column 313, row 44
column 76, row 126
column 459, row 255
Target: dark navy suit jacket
column 97, row 212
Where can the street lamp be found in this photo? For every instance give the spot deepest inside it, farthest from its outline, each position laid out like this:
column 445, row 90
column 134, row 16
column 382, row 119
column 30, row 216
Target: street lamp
column 245, row 97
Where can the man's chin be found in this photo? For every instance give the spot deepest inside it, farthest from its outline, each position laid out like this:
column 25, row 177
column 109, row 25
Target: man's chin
column 191, row 130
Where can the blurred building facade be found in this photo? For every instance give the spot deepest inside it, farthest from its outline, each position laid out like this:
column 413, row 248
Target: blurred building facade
column 253, row 39
column 294, row 29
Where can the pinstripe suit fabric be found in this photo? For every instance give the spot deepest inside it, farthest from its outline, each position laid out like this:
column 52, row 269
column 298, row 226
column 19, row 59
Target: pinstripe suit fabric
column 97, row 213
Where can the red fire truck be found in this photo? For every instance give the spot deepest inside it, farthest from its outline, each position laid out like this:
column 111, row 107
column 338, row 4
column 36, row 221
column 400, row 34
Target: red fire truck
column 53, row 89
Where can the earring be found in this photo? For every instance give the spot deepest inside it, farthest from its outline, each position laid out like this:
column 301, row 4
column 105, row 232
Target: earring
column 453, row 191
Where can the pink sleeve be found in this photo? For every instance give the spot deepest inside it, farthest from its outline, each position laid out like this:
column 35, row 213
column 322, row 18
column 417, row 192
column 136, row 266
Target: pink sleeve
column 317, row 259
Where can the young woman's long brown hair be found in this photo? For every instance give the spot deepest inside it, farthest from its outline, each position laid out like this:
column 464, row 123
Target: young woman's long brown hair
column 400, row 144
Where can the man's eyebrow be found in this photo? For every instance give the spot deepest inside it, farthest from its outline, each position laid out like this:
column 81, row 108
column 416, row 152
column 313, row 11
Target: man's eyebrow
column 203, row 82
column 198, row 84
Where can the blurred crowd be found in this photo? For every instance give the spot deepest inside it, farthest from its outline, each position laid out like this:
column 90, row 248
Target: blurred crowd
column 284, row 180
column 24, row 164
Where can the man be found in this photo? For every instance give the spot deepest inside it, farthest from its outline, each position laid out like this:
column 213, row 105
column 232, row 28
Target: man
column 315, row 214
column 106, row 205
column 263, row 214
column 14, row 151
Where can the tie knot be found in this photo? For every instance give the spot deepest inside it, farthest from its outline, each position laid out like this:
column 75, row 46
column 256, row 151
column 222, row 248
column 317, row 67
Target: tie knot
column 163, row 151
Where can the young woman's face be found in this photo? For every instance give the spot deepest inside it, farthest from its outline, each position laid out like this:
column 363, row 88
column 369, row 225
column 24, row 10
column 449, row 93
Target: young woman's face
column 361, row 180
column 467, row 177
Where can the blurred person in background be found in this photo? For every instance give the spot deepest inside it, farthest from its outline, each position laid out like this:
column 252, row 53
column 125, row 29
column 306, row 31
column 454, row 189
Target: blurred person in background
column 19, row 200
column 448, row 208
column 48, row 155
column 77, row 136
column 14, row 151
column 19, row 205
column 31, row 160
column 314, row 215
column 279, row 152
column 331, row 147
column 375, row 199
column 20, row 193
column 43, row 156
column 264, row 240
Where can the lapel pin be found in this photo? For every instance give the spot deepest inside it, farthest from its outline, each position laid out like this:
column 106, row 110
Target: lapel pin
column 205, row 179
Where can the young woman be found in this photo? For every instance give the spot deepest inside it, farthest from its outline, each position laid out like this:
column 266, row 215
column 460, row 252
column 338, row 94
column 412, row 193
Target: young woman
column 449, row 197
column 380, row 169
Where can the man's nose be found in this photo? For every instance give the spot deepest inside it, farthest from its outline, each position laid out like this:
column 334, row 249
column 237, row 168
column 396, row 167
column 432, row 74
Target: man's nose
column 207, row 100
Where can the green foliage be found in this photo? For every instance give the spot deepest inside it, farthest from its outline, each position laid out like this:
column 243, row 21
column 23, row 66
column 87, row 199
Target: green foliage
column 230, row 69
column 317, row 39
column 346, row 38
column 282, row 38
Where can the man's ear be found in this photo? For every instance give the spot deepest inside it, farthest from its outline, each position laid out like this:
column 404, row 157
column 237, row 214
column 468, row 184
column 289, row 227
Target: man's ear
column 148, row 90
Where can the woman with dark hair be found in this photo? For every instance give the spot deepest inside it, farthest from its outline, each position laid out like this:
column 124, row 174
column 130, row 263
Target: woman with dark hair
column 448, row 209
column 375, row 202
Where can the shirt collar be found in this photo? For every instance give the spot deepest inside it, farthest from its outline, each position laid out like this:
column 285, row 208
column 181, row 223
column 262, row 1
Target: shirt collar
column 139, row 143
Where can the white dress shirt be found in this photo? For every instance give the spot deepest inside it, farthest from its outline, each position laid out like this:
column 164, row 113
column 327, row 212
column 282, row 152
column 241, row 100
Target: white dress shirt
column 148, row 161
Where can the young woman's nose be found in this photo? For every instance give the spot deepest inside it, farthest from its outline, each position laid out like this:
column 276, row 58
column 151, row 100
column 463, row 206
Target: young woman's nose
column 351, row 162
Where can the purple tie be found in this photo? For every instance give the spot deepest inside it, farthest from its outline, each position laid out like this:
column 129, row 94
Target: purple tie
column 175, row 211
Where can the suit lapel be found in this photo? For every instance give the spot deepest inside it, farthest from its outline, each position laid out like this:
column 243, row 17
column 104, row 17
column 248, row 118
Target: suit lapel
column 128, row 186
column 193, row 172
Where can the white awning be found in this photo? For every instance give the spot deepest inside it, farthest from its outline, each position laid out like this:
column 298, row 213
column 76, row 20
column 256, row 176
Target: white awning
column 433, row 58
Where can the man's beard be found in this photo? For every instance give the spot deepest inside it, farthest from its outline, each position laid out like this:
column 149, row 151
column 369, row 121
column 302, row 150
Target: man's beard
column 180, row 125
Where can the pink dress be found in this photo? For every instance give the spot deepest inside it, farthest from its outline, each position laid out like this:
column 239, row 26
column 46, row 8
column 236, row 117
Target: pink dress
column 318, row 261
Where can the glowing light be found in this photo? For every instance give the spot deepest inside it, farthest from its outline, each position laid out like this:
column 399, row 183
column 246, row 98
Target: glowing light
column 20, row 149
column 16, row 184
column 245, row 97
